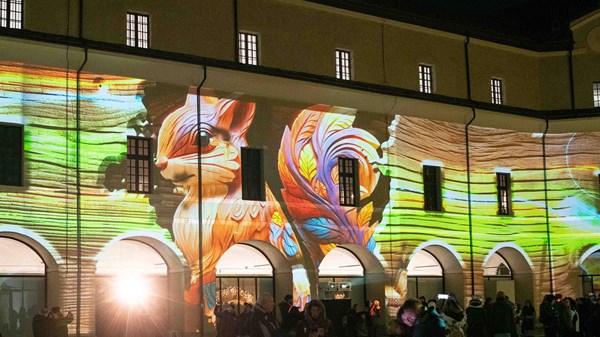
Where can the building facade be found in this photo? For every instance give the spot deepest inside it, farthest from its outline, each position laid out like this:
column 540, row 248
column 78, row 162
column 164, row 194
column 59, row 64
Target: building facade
column 163, row 159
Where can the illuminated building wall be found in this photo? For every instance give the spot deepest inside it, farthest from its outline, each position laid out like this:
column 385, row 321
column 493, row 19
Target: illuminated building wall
column 301, row 216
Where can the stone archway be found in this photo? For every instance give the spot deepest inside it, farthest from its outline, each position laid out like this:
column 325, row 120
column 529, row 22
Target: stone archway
column 130, row 261
column 589, row 265
column 513, row 273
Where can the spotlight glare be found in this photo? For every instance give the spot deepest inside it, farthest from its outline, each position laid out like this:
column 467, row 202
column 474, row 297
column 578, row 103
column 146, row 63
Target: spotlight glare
column 131, row 290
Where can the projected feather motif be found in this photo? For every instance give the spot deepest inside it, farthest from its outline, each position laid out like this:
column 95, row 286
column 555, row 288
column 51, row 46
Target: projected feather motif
column 308, row 166
column 227, row 219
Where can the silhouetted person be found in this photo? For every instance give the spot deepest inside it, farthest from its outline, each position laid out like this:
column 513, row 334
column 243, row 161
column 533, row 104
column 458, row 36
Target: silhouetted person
column 41, row 324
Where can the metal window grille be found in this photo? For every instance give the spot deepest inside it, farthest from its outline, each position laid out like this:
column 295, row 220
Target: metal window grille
column 343, row 64
column 432, row 189
column 596, row 94
column 11, row 14
column 496, row 88
column 348, row 181
column 11, row 152
column 248, row 48
column 139, row 160
column 503, row 187
column 137, row 30
column 425, row 79
column 253, row 180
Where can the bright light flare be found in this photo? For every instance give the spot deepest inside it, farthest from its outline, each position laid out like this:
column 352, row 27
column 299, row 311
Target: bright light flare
column 131, row 290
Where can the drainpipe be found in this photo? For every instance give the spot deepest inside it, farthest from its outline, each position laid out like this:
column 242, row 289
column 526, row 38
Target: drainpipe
column 236, row 35
column 78, row 172
column 199, row 173
column 468, row 74
column 547, row 213
column 571, row 83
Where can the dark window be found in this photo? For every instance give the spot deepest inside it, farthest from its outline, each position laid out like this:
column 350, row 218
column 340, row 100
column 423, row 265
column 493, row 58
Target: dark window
column 348, row 175
column 11, row 152
column 11, row 13
column 432, row 191
column 139, row 160
column 503, row 184
column 253, row 180
column 138, row 29
column 596, row 93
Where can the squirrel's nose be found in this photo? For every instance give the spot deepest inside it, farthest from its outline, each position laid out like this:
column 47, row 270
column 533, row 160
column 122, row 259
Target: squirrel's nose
column 162, row 163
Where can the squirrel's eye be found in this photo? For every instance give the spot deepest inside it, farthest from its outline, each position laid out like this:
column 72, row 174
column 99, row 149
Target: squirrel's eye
column 204, row 139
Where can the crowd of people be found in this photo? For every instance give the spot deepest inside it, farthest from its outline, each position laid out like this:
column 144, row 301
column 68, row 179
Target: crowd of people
column 259, row 320
column 46, row 323
column 499, row 317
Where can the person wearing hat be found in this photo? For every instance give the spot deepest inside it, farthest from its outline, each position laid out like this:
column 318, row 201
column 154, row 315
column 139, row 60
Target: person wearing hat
column 41, row 324
column 60, row 322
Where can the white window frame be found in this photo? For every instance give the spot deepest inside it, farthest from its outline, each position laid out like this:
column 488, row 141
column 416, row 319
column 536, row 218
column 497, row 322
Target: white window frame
column 343, row 64
column 135, row 34
column 426, row 78
column 497, row 90
column 11, row 14
column 246, row 53
column 596, row 94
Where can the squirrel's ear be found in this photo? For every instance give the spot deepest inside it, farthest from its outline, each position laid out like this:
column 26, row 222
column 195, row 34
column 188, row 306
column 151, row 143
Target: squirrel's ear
column 237, row 115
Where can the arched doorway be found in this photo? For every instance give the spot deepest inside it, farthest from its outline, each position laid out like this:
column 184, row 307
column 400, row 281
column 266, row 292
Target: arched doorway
column 134, row 286
column 435, row 268
column 507, row 269
column 22, row 287
column 590, row 271
column 349, row 274
column 243, row 273
column 425, row 276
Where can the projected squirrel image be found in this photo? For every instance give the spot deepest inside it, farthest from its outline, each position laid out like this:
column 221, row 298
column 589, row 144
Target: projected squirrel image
column 227, row 219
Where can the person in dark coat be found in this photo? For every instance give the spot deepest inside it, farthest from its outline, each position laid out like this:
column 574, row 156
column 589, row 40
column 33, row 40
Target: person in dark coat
column 41, row 324
column 262, row 321
column 290, row 315
column 549, row 316
column 315, row 322
column 502, row 319
column 413, row 320
column 226, row 322
column 476, row 319
column 528, row 319
column 60, row 322
column 242, row 319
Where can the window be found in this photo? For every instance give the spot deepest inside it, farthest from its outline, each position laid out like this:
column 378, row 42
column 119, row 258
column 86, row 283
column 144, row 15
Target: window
column 343, row 64
column 596, row 94
column 11, row 13
column 11, row 152
column 248, row 48
column 137, row 30
column 497, row 95
column 432, row 190
column 503, row 186
column 139, row 160
column 348, row 181
column 425, row 79
column 253, row 180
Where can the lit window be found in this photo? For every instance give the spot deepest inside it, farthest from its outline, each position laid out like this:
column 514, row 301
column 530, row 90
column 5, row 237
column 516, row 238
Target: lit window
column 248, row 48
column 137, row 30
column 596, row 94
column 253, row 179
column 432, row 189
column 425, row 79
column 11, row 152
column 348, row 181
column 496, row 87
column 503, row 186
column 139, row 162
column 343, row 64
column 11, row 13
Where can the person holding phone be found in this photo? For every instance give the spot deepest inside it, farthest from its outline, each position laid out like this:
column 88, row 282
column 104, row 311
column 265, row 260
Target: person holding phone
column 314, row 323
